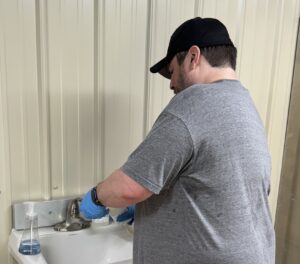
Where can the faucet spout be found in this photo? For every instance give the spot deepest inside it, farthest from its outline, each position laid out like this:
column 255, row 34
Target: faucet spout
column 73, row 210
column 73, row 220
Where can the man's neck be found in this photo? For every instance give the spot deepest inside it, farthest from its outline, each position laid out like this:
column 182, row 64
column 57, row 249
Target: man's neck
column 217, row 74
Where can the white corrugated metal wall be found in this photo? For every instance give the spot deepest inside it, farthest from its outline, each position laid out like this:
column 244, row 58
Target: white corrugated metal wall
column 76, row 95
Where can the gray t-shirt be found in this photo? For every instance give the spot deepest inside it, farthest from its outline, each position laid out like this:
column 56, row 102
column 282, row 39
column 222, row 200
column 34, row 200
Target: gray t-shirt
column 207, row 161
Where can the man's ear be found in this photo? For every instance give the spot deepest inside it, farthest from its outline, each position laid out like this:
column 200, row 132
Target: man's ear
column 195, row 55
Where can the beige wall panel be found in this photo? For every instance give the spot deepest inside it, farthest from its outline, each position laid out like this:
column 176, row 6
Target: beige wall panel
column 86, row 94
column 281, row 84
column 53, row 11
column 5, row 188
column 22, row 99
column 257, row 50
column 20, row 176
column 122, row 83
column 70, row 35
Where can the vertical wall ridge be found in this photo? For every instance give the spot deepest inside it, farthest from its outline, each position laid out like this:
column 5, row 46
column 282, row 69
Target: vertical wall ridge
column 274, row 69
column 99, row 87
column 147, row 72
column 43, row 94
column 97, row 147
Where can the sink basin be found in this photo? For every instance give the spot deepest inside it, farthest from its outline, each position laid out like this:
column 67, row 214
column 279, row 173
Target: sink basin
column 110, row 244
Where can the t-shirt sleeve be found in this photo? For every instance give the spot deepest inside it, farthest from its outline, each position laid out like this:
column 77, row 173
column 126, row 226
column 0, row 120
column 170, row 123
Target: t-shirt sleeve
column 159, row 159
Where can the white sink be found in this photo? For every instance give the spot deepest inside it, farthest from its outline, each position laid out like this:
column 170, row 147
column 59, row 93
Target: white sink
column 110, row 244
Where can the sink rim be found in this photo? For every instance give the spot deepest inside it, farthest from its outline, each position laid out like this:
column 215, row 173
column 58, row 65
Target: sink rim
column 44, row 232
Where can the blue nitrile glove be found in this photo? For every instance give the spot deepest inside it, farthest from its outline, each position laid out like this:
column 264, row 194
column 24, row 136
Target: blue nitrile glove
column 89, row 208
column 127, row 215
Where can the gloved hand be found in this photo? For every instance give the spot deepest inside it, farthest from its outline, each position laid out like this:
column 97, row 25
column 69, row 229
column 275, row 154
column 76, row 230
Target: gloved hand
column 127, row 215
column 90, row 209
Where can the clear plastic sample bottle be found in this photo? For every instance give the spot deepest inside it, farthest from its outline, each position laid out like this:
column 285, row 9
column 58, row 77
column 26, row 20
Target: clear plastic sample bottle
column 30, row 243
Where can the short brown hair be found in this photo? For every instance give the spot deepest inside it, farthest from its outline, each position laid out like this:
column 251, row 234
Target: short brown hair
column 220, row 56
column 216, row 56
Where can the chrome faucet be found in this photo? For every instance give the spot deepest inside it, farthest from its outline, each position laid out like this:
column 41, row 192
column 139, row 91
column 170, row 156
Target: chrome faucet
column 73, row 220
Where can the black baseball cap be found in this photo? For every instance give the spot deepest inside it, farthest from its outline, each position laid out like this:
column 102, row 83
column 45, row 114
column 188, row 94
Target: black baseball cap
column 202, row 32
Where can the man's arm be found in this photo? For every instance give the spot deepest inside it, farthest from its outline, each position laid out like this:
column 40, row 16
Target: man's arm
column 119, row 190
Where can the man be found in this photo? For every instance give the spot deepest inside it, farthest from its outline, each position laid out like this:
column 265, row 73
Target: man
column 200, row 179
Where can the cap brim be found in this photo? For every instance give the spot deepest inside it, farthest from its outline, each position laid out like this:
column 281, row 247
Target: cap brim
column 162, row 68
